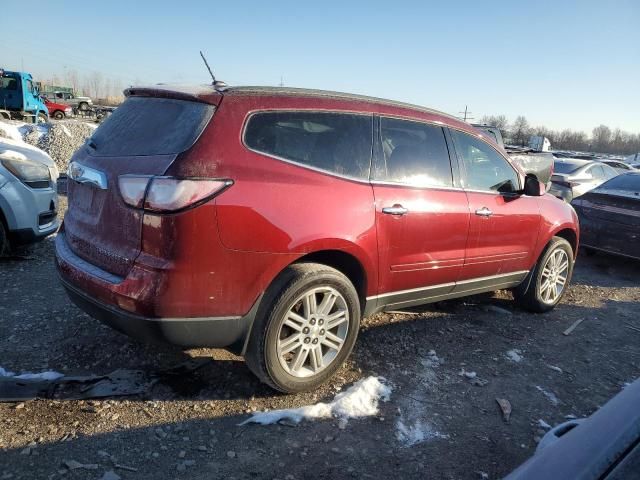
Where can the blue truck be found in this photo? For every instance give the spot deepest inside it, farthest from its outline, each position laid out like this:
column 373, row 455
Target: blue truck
column 20, row 98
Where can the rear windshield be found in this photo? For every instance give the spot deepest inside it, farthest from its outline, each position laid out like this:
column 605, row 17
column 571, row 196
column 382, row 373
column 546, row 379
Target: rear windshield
column 151, row 126
column 566, row 167
column 629, row 182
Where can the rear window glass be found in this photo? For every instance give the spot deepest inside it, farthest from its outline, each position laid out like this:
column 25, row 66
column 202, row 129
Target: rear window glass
column 336, row 142
column 629, row 182
column 151, row 126
column 564, row 167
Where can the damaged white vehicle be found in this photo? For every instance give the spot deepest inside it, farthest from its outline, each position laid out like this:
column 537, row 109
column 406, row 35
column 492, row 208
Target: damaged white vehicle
column 28, row 194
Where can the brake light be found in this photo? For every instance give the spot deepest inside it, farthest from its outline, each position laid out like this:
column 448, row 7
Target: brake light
column 168, row 194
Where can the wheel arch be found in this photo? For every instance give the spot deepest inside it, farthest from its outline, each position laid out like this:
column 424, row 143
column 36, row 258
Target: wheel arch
column 570, row 236
column 345, row 263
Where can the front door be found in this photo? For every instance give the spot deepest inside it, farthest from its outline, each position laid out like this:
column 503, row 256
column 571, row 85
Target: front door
column 503, row 226
column 422, row 218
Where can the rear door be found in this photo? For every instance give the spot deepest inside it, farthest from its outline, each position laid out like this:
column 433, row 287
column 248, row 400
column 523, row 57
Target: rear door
column 422, row 216
column 143, row 136
column 503, row 227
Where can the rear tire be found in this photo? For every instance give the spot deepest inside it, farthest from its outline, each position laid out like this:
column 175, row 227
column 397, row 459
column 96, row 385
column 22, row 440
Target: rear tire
column 547, row 283
column 305, row 328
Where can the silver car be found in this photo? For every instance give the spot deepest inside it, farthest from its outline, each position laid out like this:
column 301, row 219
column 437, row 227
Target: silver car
column 28, row 195
column 573, row 177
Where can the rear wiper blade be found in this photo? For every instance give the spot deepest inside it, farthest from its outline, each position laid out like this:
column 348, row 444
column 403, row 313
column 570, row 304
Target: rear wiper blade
column 92, row 144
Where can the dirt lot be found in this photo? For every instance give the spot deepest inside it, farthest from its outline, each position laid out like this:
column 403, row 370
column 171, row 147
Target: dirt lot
column 437, row 423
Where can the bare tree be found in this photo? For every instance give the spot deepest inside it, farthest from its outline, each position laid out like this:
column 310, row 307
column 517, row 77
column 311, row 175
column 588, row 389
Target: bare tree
column 601, row 137
column 520, row 130
column 95, row 82
column 71, row 78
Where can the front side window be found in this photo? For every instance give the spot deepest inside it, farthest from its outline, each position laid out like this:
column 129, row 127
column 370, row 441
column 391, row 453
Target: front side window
column 414, row 153
column 339, row 143
column 485, row 169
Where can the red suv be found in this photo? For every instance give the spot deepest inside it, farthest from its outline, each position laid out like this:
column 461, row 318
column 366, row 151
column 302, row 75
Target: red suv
column 270, row 220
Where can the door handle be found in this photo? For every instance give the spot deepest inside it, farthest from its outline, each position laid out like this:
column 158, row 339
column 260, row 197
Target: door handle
column 484, row 212
column 395, row 210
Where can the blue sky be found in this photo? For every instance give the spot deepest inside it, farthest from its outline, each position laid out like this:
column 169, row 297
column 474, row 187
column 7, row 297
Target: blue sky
column 562, row 64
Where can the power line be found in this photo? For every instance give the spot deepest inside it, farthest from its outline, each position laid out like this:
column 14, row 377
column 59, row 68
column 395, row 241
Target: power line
column 467, row 114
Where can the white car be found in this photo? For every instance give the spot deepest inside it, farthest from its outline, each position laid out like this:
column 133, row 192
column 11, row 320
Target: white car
column 579, row 176
column 28, row 194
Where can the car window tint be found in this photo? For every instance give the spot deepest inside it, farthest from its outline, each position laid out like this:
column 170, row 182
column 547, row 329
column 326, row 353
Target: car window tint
column 336, row 142
column 151, row 126
column 485, row 169
column 414, row 153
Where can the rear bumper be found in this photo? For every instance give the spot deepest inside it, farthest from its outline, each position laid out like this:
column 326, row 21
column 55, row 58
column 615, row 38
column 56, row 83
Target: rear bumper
column 215, row 332
column 130, row 305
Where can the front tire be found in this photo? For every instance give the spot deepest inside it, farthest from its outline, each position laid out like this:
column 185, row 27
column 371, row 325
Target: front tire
column 42, row 118
column 58, row 115
column 306, row 330
column 547, row 283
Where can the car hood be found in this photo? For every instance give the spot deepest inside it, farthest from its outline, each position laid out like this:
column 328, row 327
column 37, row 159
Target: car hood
column 15, row 148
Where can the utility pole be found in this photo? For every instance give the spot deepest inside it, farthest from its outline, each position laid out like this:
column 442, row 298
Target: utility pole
column 467, row 114
column 281, row 84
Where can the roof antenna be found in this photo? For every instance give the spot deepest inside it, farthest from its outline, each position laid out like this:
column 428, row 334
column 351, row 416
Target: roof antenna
column 216, row 83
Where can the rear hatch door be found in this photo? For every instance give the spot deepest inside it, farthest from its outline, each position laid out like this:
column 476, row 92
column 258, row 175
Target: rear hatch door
column 143, row 136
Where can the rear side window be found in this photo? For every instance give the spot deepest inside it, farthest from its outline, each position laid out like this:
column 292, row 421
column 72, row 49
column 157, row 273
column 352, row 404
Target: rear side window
column 413, row 153
column 151, row 126
column 485, row 169
column 336, row 142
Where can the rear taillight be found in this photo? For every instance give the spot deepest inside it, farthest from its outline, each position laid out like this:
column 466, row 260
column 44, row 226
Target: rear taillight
column 167, row 194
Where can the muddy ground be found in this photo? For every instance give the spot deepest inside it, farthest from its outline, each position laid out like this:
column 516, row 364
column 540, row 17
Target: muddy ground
column 437, row 424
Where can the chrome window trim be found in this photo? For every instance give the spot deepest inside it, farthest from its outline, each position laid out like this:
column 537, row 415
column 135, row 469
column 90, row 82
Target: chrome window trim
column 421, row 187
column 252, row 113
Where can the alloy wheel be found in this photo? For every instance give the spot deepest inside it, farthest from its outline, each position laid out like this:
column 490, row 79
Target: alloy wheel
column 554, row 276
column 313, row 331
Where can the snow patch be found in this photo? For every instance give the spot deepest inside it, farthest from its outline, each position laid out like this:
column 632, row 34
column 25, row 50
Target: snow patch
column 515, row 355
column 543, row 424
column 360, row 400
column 50, row 375
column 550, row 395
column 415, row 433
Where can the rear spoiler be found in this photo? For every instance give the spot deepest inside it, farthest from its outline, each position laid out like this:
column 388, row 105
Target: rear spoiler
column 202, row 94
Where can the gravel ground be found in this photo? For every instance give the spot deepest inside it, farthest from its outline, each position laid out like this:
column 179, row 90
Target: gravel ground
column 439, row 423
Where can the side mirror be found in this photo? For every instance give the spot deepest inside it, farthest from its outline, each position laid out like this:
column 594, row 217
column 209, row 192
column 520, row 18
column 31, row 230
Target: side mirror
column 532, row 187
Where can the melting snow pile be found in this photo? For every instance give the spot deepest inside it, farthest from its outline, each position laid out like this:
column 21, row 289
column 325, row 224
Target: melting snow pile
column 360, row 400
column 30, row 376
column 60, row 139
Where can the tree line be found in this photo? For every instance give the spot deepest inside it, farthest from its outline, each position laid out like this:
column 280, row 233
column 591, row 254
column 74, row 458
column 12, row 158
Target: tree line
column 94, row 85
column 602, row 139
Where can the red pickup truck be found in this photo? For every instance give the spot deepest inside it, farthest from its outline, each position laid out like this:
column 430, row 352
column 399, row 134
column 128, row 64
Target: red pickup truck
column 58, row 110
